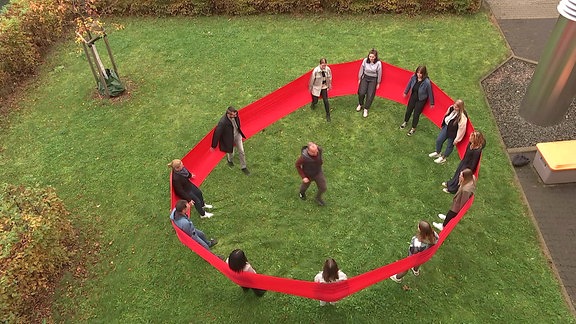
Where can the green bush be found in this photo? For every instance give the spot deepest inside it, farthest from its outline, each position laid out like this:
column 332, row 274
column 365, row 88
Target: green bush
column 35, row 246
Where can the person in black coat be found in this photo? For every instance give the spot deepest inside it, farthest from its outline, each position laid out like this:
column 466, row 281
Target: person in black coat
column 229, row 134
column 185, row 189
column 470, row 161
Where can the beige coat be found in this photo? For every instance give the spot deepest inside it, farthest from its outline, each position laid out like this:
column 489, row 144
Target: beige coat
column 315, row 84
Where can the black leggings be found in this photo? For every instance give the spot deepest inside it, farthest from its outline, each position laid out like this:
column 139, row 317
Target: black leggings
column 416, row 106
column 324, row 95
column 449, row 217
column 198, row 199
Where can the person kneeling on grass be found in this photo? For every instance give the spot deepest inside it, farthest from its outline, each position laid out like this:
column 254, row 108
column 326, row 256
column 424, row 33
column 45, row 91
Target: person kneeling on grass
column 180, row 217
column 424, row 239
column 238, row 262
column 330, row 273
column 467, row 186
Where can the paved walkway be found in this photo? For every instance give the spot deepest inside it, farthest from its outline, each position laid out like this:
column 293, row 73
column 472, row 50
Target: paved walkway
column 527, row 25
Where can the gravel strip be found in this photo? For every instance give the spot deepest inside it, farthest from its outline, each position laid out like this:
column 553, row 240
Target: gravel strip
column 504, row 89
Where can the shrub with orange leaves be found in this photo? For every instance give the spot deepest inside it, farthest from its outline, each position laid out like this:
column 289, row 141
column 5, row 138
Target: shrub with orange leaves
column 35, row 247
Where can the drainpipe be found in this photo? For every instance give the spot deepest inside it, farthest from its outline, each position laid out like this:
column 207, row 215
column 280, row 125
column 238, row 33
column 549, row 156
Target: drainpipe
column 553, row 85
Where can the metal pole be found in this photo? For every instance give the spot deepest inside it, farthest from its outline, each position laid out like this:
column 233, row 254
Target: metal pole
column 553, row 84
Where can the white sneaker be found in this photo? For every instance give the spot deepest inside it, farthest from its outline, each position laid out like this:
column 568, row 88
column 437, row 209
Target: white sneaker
column 365, row 114
column 396, row 279
column 434, row 155
column 445, row 190
column 207, row 215
column 438, row 226
column 206, row 206
column 359, row 108
column 440, row 160
column 442, row 216
column 403, row 125
column 444, row 184
column 415, row 272
column 322, row 303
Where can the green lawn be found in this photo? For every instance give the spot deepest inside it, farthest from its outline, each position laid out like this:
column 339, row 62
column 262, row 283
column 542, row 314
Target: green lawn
column 108, row 163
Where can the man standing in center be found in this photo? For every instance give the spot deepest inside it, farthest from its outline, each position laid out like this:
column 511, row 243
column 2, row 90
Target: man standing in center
column 309, row 166
column 229, row 134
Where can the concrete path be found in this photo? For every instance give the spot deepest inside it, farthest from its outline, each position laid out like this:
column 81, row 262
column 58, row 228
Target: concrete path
column 526, row 24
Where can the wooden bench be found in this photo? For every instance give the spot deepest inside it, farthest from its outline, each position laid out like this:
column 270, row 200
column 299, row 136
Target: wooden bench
column 555, row 162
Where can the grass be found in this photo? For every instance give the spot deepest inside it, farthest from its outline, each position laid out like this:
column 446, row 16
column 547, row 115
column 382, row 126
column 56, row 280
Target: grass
column 108, row 163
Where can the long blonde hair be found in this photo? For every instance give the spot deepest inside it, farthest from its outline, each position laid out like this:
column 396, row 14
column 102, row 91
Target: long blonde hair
column 461, row 111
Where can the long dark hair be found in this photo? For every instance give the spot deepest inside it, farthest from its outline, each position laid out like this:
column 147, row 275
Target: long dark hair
column 237, row 260
column 330, row 270
column 422, row 69
column 375, row 52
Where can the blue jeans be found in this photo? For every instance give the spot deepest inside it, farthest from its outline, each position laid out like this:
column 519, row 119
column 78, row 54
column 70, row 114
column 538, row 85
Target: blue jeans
column 443, row 137
column 200, row 237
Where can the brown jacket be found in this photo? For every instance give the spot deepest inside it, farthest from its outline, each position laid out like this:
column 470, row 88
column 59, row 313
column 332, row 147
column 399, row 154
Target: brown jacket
column 462, row 195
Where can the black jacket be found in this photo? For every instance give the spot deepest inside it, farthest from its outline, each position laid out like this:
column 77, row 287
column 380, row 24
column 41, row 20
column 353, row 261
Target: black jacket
column 224, row 134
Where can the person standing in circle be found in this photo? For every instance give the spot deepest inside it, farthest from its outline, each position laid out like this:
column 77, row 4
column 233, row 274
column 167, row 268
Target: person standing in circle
column 309, row 166
column 470, row 161
column 319, row 84
column 369, row 78
column 452, row 131
column 238, row 262
column 424, row 239
column 330, row 273
column 467, row 187
column 419, row 88
column 229, row 134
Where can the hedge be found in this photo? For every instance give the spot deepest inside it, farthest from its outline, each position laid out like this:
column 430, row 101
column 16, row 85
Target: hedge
column 36, row 245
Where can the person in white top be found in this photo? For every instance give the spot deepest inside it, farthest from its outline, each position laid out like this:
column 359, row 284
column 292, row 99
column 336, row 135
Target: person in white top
column 238, row 262
column 452, row 131
column 369, row 78
column 330, row 273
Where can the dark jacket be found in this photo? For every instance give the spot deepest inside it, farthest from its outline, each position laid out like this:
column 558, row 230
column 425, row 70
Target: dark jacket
column 224, row 134
column 309, row 166
column 425, row 90
column 455, row 125
column 182, row 186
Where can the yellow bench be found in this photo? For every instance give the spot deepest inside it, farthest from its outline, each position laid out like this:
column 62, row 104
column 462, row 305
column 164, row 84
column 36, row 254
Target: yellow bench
column 555, row 162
